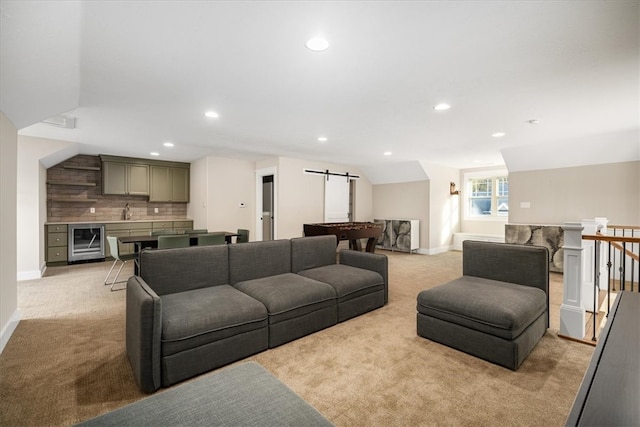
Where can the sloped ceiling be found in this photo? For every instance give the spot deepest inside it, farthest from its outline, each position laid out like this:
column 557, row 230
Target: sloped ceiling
column 138, row 73
column 39, row 59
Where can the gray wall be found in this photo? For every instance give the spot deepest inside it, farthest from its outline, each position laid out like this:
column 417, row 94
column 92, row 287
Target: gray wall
column 406, row 200
column 575, row 193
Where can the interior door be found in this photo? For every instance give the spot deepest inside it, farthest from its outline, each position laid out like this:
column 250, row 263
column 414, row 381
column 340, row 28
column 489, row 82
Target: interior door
column 267, row 207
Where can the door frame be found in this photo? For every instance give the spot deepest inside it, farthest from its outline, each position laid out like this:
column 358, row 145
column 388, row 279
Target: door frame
column 260, row 173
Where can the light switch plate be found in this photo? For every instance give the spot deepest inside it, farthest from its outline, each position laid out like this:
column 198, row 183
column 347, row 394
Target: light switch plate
column 155, row 210
column 92, row 210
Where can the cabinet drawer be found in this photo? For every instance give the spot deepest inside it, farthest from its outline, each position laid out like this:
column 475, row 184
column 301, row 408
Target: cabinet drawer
column 57, row 239
column 117, row 226
column 183, row 224
column 58, row 228
column 162, row 225
column 56, row 254
column 135, row 227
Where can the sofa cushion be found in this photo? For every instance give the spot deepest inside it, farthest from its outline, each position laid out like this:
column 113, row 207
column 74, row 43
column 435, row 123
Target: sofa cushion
column 312, row 252
column 289, row 295
column 176, row 270
column 248, row 261
column 497, row 308
column 194, row 318
column 349, row 282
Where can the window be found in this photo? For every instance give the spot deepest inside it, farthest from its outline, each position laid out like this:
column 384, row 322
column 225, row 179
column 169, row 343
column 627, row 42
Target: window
column 487, row 195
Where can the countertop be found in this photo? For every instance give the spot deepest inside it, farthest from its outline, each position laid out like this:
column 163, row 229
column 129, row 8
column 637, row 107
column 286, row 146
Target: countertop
column 116, row 222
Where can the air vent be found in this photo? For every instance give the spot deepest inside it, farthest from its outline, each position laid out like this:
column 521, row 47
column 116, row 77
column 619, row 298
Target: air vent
column 66, row 122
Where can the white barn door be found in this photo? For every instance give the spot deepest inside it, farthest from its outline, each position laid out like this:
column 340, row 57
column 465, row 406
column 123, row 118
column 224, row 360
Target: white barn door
column 336, row 199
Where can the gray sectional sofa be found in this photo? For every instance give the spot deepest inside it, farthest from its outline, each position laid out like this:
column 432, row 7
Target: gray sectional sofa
column 498, row 310
column 194, row 309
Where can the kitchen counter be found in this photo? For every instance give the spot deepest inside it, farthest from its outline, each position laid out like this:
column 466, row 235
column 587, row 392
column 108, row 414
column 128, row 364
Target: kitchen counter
column 117, row 222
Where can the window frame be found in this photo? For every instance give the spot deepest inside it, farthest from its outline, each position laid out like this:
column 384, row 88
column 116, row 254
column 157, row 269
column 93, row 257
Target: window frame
column 494, row 175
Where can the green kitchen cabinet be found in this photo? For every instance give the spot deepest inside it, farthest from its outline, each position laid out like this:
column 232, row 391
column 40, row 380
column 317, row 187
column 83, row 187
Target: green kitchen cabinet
column 56, row 243
column 127, row 179
column 169, row 184
column 126, row 229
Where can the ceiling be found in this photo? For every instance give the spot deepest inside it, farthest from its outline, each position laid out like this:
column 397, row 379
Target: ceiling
column 139, row 73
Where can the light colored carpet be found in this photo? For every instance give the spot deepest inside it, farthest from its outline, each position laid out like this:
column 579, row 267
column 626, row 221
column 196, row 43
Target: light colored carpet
column 66, row 361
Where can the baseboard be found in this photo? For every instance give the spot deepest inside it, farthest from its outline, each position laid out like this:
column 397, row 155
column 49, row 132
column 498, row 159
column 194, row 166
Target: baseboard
column 434, row 251
column 7, row 331
column 29, row 275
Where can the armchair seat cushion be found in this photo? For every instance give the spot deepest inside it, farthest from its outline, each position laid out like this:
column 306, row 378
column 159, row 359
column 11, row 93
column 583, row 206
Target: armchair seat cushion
column 201, row 316
column 289, row 295
column 348, row 282
column 497, row 308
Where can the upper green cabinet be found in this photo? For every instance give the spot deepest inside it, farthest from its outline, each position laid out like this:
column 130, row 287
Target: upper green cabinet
column 160, row 180
column 129, row 179
column 169, row 184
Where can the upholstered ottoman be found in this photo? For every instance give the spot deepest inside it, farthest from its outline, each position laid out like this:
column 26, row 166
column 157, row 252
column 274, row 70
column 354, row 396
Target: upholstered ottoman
column 498, row 310
column 242, row 395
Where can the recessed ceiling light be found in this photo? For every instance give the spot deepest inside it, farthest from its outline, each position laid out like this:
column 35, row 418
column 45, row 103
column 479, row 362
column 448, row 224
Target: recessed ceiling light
column 153, row 153
column 322, row 139
column 317, row 44
column 498, row 134
column 168, row 144
column 387, row 153
column 442, row 107
column 533, row 121
column 211, row 114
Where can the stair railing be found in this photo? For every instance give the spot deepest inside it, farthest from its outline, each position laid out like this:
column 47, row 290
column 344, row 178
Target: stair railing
column 622, row 245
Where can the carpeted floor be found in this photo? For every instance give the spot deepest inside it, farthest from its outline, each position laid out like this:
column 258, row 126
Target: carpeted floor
column 66, row 360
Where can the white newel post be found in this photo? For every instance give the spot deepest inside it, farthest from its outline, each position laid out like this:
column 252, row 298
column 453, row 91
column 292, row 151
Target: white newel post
column 572, row 314
column 589, row 274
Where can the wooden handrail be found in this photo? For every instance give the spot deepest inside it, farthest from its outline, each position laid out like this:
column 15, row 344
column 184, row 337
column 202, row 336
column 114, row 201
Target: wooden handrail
column 626, row 251
column 607, row 238
column 624, row 227
column 615, row 242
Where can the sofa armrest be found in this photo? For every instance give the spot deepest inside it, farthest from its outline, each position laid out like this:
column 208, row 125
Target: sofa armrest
column 368, row 261
column 143, row 333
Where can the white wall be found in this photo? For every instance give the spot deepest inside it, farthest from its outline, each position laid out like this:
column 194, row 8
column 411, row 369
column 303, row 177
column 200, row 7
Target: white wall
column 444, row 208
column 198, row 184
column 32, row 202
column 229, row 182
column 575, row 193
column 9, row 314
column 301, row 196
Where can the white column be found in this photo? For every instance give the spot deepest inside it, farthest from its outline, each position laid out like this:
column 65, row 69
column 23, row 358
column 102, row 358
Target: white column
column 572, row 313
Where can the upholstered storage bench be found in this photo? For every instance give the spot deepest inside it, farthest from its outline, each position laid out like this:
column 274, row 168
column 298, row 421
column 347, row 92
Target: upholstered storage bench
column 498, row 310
column 241, row 395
